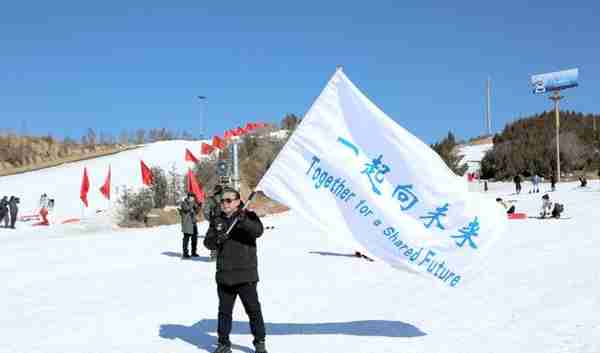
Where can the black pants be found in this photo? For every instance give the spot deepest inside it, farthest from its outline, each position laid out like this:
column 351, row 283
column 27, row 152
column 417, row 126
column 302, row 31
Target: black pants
column 249, row 297
column 13, row 219
column 511, row 210
column 186, row 240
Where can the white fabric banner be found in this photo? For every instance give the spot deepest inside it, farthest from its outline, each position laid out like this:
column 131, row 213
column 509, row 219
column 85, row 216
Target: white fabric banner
column 356, row 174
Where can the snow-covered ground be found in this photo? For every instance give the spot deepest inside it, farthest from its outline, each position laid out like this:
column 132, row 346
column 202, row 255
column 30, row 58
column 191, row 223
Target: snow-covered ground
column 76, row 288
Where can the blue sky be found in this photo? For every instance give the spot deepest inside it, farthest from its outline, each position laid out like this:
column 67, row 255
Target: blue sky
column 115, row 65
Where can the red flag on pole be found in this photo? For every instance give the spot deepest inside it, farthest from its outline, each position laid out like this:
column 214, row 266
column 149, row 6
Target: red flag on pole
column 217, row 142
column 189, row 156
column 207, row 149
column 147, row 177
column 105, row 189
column 194, row 187
column 238, row 131
column 85, row 187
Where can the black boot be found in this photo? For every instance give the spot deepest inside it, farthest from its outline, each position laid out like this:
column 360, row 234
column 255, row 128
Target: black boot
column 260, row 346
column 221, row 348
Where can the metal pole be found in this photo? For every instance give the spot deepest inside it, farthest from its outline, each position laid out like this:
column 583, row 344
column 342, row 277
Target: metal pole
column 202, row 99
column 556, row 97
column 236, row 166
column 488, row 113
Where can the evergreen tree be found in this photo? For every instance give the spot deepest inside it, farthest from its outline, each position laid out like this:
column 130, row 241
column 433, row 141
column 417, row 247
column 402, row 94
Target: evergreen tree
column 448, row 151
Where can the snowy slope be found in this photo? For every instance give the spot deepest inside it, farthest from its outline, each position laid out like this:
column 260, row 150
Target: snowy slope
column 63, row 182
column 69, row 289
column 473, row 154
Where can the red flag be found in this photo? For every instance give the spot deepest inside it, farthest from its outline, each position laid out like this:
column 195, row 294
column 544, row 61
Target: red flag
column 189, row 156
column 207, row 149
column 218, row 143
column 147, row 177
column 228, row 134
column 238, row 131
column 194, row 187
column 105, row 189
column 85, row 187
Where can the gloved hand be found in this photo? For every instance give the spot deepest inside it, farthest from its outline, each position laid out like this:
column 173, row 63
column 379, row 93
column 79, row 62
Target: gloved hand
column 221, row 228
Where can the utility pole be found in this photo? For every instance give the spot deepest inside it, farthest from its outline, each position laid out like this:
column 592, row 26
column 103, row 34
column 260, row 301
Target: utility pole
column 205, row 100
column 556, row 97
column 488, row 112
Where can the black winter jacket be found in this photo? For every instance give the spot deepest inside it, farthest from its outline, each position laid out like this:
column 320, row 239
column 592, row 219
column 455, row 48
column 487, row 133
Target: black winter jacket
column 236, row 257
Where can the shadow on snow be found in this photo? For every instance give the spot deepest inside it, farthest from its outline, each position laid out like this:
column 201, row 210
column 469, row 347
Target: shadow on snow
column 198, row 333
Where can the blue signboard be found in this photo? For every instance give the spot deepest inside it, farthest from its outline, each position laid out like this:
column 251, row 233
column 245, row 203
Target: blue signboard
column 554, row 81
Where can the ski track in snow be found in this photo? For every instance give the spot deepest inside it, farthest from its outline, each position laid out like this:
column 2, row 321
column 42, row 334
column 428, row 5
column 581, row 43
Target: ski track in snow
column 96, row 288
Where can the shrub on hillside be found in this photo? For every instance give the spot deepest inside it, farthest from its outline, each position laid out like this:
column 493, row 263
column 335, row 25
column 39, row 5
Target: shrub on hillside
column 446, row 149
column 134, row 206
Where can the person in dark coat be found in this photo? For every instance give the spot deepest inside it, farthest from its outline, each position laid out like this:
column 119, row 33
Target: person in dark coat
column 237, row 267
column 188, row 211
column 211, row 209
column 553, row 182
column 4, row 211
column 517, row 180
column 14, row 210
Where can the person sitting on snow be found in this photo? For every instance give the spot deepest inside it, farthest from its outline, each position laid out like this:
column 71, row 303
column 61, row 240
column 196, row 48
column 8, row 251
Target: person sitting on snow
column 549, row 208
column 509, row 208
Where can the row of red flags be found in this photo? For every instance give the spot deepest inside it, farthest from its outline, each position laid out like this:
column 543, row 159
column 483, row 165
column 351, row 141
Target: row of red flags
column 219, row 143
column 192, row 184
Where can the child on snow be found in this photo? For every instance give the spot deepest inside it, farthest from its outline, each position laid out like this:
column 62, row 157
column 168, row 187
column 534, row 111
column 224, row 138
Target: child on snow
column 549, row 208
column 509, row 208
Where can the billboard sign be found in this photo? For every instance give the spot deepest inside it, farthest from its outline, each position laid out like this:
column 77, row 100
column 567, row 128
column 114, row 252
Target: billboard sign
column 554, row 81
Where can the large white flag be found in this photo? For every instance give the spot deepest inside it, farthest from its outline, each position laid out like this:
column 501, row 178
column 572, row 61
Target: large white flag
column 356, row 174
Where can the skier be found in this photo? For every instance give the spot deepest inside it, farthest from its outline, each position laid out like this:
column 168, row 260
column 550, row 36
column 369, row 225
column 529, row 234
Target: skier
column 582, row 181
column 237, row 267
column 14, row 210
column 549, row 208
column 517, row 180
column 211, row 209
column 189, row 227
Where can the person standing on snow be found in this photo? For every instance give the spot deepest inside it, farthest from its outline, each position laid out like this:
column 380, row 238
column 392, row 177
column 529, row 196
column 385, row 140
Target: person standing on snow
column 517, row 180
column 14, row 210
column 211, row 209
column 4, row 211
column 535, row 180
column 188, row 211
column 237, row 267
column 553, row 182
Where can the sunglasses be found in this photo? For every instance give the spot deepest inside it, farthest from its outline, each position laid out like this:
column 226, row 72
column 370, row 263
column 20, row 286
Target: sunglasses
column 228, row 200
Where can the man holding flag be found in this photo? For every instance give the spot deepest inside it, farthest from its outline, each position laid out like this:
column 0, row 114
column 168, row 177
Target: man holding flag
column 233, row 235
